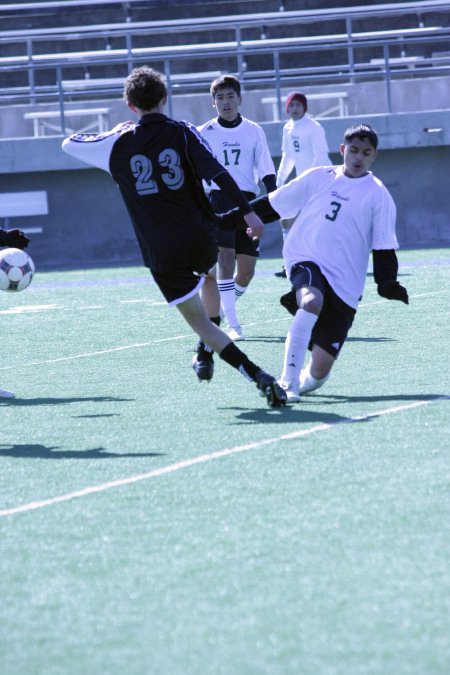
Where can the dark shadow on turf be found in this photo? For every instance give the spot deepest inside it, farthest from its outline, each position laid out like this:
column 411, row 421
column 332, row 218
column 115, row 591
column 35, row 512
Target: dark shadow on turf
column 44, row 452
column 93, row 416
column 370, row 339
column 299, row 413
column 267, row 338
column 62, row 401
column 288, row 414
column 400, row 274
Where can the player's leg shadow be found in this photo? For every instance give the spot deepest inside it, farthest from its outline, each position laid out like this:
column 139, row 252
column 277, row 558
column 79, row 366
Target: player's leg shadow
column 266, row 338
column 25, row 402
column 38, row 451
column 289, row 414
column 370, row 339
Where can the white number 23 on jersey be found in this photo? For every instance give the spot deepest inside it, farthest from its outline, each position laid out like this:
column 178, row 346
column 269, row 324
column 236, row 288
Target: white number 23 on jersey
column 142, row 169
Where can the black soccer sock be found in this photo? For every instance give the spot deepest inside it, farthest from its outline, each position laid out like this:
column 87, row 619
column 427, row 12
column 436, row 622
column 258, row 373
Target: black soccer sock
column 204, row 352
column 234, row 357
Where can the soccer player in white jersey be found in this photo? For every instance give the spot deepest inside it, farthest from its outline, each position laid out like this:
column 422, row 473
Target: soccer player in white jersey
column 303, row 146
column 344, row 212
column 241, row 147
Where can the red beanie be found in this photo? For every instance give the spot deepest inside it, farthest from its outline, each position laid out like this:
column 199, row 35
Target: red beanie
column 297, row 96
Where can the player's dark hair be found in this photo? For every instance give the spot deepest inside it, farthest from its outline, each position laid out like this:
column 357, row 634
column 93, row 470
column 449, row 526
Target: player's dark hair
column 362, row 131
column 225, row 82
column 144, row 88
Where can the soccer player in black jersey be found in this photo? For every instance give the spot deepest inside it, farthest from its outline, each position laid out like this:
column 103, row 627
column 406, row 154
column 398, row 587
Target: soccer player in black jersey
column 159, row 165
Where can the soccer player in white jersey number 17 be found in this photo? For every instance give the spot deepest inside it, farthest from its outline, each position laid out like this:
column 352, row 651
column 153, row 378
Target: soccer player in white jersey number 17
column 241, row 147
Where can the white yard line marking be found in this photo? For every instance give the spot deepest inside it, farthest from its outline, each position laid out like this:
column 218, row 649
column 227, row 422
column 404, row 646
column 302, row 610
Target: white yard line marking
column 201, row 459
column 137, row 345
column 27, row 308
column 147, row 301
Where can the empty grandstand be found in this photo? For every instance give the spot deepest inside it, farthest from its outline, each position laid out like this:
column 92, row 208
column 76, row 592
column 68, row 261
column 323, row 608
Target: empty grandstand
column 56, row 56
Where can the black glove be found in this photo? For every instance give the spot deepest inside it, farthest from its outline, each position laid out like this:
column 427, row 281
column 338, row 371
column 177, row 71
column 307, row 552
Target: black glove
column 13, row 238
column 392, row 290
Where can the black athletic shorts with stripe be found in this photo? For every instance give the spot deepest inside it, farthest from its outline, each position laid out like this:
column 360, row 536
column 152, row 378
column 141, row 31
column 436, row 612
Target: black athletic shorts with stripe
column 182, row 283
column 239, row 239
column 331, row 328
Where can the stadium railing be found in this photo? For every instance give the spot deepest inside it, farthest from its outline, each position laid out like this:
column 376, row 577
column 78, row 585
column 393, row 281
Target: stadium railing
column 340, row 58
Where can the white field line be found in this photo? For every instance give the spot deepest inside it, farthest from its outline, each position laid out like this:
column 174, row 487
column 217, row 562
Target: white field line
column 136, row 345
column 201, row 459
column 139, row 345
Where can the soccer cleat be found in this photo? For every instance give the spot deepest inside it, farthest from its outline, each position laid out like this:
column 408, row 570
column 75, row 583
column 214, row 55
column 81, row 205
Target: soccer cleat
column 289, row 302
column 235, row 333
column 203, row 369
column 281, row 274
column 292, row 393
column 269, row 387
column 4, row 393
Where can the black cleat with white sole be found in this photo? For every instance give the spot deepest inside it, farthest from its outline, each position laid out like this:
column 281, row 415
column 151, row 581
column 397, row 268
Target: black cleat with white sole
column 281, row 274
column 204, row 369
column 269, row 387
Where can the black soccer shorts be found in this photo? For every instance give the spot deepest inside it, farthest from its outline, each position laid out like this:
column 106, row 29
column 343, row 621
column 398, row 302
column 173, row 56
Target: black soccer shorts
column 239, row 239
column 335, row 320
column 178, row 286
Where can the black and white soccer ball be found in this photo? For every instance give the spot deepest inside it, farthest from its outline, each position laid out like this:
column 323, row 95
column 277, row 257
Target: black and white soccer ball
column 16, row 269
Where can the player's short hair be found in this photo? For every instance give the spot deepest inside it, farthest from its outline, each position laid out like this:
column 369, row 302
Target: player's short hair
column 144, row 88
column 362, row 131
column 225, row 82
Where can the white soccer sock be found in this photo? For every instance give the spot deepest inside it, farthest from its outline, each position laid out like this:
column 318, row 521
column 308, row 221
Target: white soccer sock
column 308, row 382
column 239, row 290
column 296, row 344
column 228, row 300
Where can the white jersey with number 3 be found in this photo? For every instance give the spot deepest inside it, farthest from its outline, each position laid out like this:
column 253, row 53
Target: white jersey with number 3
column 341, row 220
column 242, row 150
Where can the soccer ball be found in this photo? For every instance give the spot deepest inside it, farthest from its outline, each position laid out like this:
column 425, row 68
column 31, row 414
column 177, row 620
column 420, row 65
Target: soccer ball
column 16, row 269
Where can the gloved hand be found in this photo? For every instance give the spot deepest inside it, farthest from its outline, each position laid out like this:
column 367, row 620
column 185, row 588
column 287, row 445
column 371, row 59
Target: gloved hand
column 13, row 238
column 392, row 290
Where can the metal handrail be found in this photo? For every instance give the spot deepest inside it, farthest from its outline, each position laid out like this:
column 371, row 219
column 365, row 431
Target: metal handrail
column 236, row 22
column 238, row 50
column 275, row 77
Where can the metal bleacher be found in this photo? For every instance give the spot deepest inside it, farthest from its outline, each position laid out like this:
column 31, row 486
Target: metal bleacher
column 269, row 51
